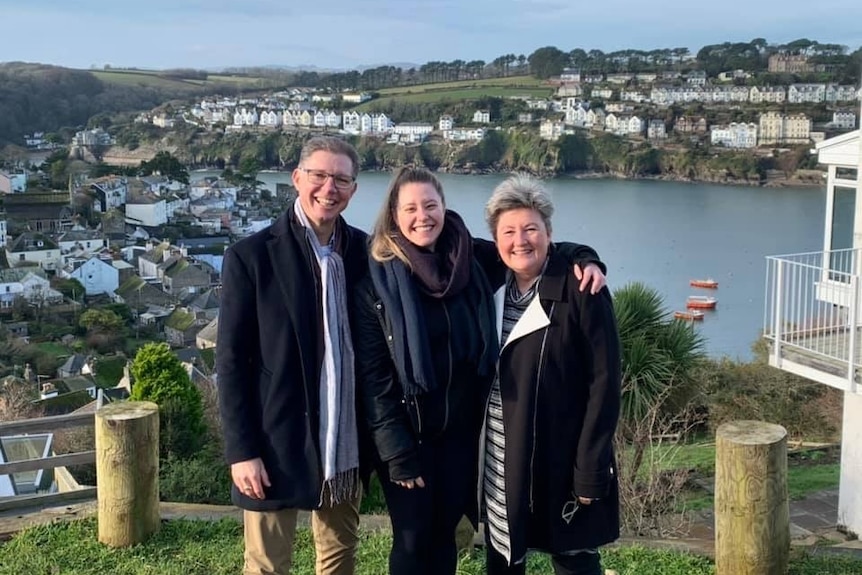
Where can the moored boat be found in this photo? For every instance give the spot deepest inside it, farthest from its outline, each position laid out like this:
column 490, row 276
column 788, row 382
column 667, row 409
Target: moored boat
column 707, row 283
column 689, row 315
column 700, row 302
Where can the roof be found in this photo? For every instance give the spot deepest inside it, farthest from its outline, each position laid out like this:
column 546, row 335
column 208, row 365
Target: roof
column 210, row 331
column 172, row 269
column 138, row 293
column 843, row 150
column 210, row 299
column 30, row 241
column 74, row 364
column 80, row 236
column 188, row 355
column 13, row 275
column 76, row 383
column 180, row 320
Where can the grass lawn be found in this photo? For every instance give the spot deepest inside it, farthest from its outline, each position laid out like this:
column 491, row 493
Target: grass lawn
column 109, row 370
column 215, row 548
column 54, row 348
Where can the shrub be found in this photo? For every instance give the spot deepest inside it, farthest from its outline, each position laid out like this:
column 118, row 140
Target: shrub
column 759, row 391
column 203, row 478
column 160, row 377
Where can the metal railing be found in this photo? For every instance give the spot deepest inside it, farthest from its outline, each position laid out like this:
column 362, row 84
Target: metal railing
column 812, row 306
column 47, row 424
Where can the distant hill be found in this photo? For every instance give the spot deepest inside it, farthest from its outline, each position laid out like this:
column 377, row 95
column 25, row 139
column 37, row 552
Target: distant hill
column 44, row 98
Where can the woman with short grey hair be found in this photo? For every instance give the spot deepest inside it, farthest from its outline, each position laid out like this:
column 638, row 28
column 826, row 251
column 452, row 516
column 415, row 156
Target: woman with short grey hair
column 519, row 191
column 549, row 477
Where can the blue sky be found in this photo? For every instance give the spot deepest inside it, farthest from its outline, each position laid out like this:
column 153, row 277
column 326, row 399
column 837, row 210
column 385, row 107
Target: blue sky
column 351, row 33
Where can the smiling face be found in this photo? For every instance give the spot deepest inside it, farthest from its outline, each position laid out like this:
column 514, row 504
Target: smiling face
column 522, row 241
column 323, row 203
column 420, row 214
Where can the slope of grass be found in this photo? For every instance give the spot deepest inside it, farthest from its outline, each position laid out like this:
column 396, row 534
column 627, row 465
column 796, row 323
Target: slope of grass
column 456, row 94
column 522, row 81
column 154, row 79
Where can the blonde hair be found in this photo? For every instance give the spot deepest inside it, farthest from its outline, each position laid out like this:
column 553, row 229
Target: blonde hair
column 383, row 246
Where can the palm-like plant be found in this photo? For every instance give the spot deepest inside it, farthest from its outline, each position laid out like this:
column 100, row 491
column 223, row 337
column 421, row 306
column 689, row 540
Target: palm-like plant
column 659, row 353
column 659, row 357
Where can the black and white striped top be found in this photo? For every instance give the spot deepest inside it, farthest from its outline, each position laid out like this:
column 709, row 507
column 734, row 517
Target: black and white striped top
column 494, row 483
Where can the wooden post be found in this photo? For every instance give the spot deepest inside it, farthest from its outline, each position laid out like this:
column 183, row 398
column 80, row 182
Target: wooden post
column 127, row 472
column 752, row 514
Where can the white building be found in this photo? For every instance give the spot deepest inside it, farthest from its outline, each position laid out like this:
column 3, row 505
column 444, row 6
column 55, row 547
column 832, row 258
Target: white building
column 414, row 130
column 843, row 120
column 814, row 332
column 445, row 123
column 97, row 276
column 33, row 248
column 806, row 93
column 147, row 210
column 656, row 130
column 271, row 118
column 482, row 117
column 464, row 134
column 551, row 129
column 356, row 98
column 246, row 117
column 351, row 121
column 734, row 135
column 13, row 183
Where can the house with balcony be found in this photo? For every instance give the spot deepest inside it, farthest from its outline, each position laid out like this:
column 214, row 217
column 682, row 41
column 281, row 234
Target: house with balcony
column 813, row 310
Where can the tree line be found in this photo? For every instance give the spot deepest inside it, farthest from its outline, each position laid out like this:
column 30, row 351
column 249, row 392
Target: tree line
column 549, row 61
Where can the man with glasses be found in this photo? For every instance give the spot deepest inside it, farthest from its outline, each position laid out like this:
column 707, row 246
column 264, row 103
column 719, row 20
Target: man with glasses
column 285, row 370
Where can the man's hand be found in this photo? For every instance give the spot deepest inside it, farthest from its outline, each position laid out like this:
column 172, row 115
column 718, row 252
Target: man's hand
column 250, row 477
column 591, row 273
column 410, row 483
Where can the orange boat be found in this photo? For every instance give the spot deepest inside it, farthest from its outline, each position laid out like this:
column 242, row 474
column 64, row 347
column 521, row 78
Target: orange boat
column 689, row 315
column 707, row 283
column 700, row 302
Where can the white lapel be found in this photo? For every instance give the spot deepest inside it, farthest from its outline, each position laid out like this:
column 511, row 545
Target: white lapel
column 533, row 319
column 499, row 303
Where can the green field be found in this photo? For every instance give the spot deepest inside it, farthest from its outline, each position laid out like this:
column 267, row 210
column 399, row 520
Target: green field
column 454, row 95
column 522, row 81
column 153, row 79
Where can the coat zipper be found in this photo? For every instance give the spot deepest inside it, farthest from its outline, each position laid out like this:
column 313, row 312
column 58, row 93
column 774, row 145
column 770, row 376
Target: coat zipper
column 536, row 405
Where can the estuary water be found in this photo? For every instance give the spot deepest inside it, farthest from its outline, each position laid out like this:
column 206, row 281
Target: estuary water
column 660, row 233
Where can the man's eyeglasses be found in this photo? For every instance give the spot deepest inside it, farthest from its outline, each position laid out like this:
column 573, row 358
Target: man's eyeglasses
column 319, row 177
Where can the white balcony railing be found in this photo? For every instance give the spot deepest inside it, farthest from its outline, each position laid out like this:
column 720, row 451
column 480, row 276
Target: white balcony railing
column 811, row 315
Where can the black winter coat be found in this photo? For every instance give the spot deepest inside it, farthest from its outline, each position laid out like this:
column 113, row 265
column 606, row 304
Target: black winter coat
column 560, row 386
column 396, row 422
column 269, row 357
